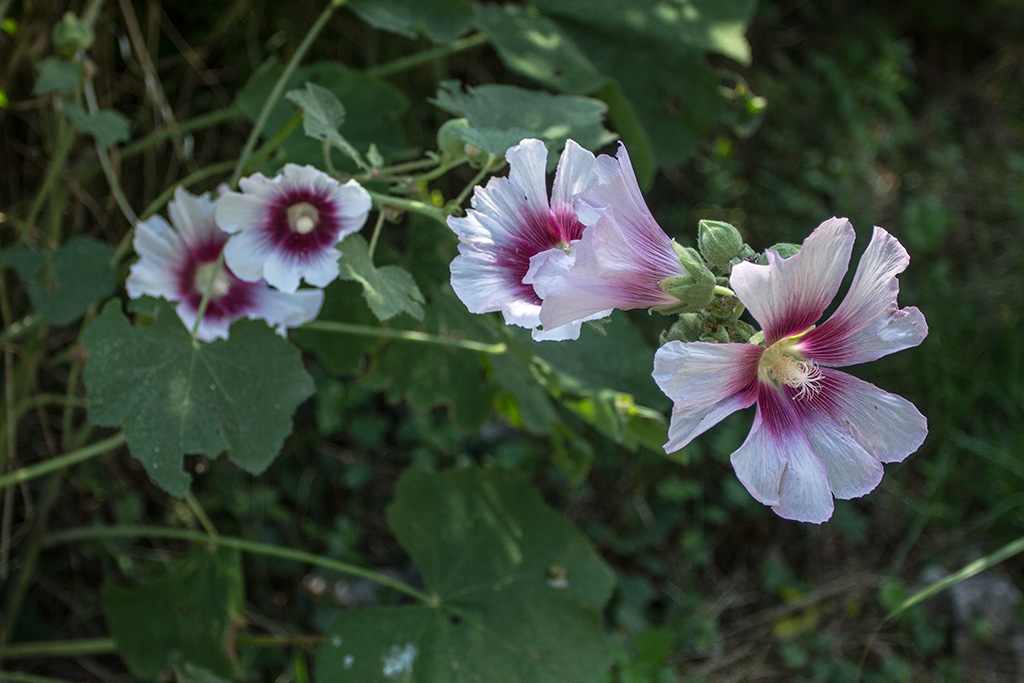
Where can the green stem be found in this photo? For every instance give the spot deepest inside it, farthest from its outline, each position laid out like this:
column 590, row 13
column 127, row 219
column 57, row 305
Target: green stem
column 410, row 205
column 18, row 677
column 403, row 335
column 240, row 544
column 61, row 461
column 180, row 128
column 376, row 234
column 104, row 157
column 207, row 293
column 63, row 147
column 278, row 89
column 200, row 513
column 82, row 647
column 404, row 63
column 1006, row 552
column 484, row 170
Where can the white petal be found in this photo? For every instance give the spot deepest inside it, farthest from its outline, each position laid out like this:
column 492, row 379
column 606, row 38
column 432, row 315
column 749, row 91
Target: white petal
column 355, row 203
column 257, row 183
column 787, row 296
column 869, row 323
column 527, row 163
column 209, row 329
column 280, row 271
column 192, row 215
column 240, row 212
column 575, row 174
column 778, row 467
column 162, row 253
column 322, row 269
column 887, row 426
column 479, row 281
column 284, row 311
column 246, row 254
column 706, row 383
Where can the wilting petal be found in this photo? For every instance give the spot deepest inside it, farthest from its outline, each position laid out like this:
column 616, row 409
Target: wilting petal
column 706, row 382
column 869, row 323
column 777, row 465
column 787, row 296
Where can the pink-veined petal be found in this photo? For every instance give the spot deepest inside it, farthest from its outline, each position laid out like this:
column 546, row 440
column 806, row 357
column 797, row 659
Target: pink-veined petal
column 787, row 296
column 322, row 269
column 192, row 214
column 706, row 382
column 777, row 465
column 209, row 329
column 869, row 323
column 527, row 164
column 280, row 271
column 886, row 425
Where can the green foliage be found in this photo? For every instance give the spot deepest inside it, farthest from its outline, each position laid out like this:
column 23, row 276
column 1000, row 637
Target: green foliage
column 518, row 591
column 502, row 115
column 175, row 396
column 106, row 126
column 64, row 283
column 57, row 75
column 389, row 290
column 440, row 20
column 184, row 619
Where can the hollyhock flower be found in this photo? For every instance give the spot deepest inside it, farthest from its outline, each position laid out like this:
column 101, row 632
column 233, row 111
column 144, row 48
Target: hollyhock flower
column 288, row 225
column 817, row 432
column 621, row 258
column 512, row 221
column 176, row 263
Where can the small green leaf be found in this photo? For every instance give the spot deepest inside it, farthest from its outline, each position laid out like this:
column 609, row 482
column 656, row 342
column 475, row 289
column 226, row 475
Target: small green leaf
column 536, row 46
column 175, row 397
column 389, row 290
column 528, row 113
column 440, row 20
column 520, row 591
column 63, row 284
column 182, row 619
column 107, row 126
column 322, row 112
column 57, row 75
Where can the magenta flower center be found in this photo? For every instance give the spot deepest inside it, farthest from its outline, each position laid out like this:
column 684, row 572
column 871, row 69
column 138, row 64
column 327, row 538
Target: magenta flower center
column 230, row 297
column 539, row 232
column 782, row 364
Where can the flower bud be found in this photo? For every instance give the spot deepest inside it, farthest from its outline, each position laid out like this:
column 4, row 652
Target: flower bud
column 719, row 242
column 688, row 328
column 71, row 34
column 695, row 289
column 449, row 143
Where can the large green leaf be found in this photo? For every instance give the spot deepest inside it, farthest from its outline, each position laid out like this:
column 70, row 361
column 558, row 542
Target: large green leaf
column 183, row 619
column 340, row 353
column 519, row 591
column 529, row 113
column 62, row 284
column 175, row 397
column 440, row 20
column 699, row 25
column 536, row 46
